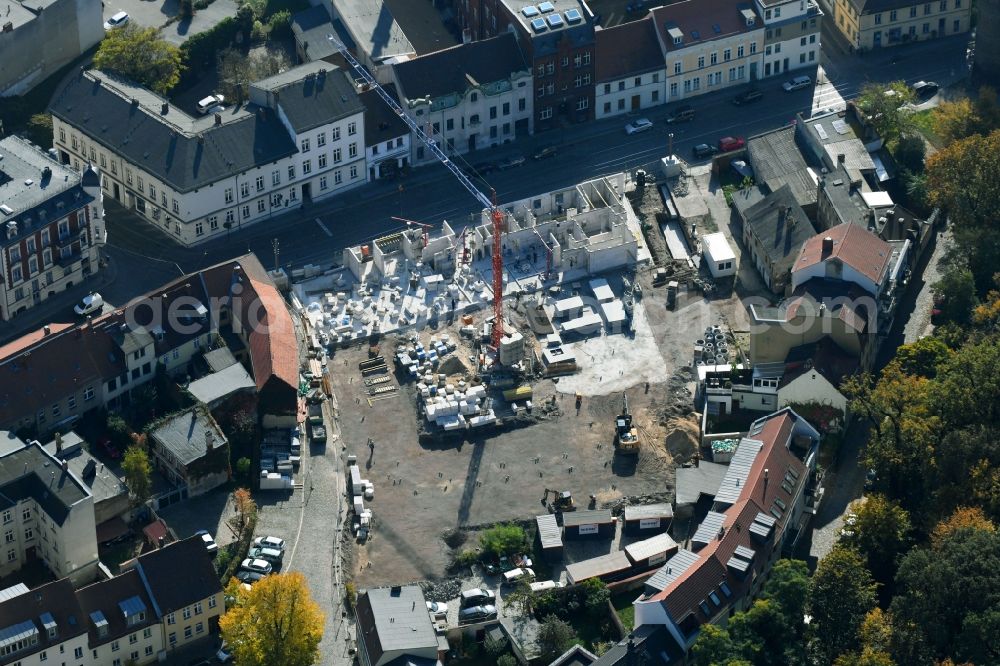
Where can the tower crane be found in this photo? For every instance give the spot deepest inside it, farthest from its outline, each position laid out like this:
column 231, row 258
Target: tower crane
column 497, row 216
column 410, row 223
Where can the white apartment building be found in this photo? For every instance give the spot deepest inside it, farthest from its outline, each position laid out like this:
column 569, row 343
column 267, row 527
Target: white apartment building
column 387, row 137
column 52, row 226
column 468, row 97
column 791, row 34
column 46, row 513
column 631, row 71
column 300, row 138
column 709, row 45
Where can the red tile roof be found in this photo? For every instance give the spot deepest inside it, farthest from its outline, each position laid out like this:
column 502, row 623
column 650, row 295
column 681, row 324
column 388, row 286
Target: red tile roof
column 627, row 49
column 29, row 339
column 701, row 17
column 854, row 246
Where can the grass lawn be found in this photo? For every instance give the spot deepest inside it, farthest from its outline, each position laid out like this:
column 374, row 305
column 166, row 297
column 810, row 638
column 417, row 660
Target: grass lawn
column 626, row 611
column 924, row 122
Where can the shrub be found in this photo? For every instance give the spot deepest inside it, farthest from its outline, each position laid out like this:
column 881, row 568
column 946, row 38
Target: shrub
column 503, row 540
column 350, row 594
column 280, row 24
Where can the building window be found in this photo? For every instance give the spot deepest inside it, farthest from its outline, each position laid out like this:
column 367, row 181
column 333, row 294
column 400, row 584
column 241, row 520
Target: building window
column 701, row 61
column 199, row 628
column 56, row 410
column 322, row 183
column 336, row 155
column 582, row 104
column 352, row 128
column 322, row 161
column 244, row 190
column 335, row 134
column 29, row 534
column 9, row 536
column 305, row 145
column 147, row 632
column 878, row 19
column 246, row 212
column 187, row 613
column 307, row 167
column 586, row 58
column 337, row 177
column 211, row 602
column 541, row 70
column 171, row 618
column 577, row 82
column 677, row 67
column 727, row 55
column 607, row 107
column 88, row 393
column 291, row 172
column 172, row 638
column 199, row 229
column 187, row 633
column 115, row 646
column 133, row 638
column 231, row 216
column 354, row 171
column 78, row 653
column 550, row 68
column 26, row 514
column 545, row 113
column 7, row 516
column 275, row 177
column 753, row 47
column 565, row 61
column 352, row 150
column 261, row 206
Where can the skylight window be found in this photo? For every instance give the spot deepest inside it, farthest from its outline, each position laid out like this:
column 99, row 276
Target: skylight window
column 546, row 7
column 529, row 11
column 574, row 16
column 538, row 24
column 555, row 21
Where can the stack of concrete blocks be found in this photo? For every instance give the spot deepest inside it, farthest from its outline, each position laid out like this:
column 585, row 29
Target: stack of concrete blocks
column 453, row 407
column 421, row 361
column 511, row 348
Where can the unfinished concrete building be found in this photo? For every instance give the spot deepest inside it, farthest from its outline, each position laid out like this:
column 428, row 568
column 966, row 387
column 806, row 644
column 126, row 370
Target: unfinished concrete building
column 589, row 227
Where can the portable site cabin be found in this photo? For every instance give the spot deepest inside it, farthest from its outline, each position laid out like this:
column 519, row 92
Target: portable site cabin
column 650, row 553
column 648, row 519
column 597, row 524
column 718, row 255
column 608, row 568
column 550, row 537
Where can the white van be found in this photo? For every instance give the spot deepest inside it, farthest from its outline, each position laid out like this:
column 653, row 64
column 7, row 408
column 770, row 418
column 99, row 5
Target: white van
column 545, row 585
column 514, row 575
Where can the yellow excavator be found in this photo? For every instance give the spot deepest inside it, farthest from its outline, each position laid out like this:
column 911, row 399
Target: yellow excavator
column 626, row 434
column 562, row 501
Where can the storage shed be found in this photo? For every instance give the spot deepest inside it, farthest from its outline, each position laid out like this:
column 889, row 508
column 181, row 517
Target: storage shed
column 718, row 255
column 648, row 519
column 550, row 537
column 597, row 524
column 608, row 568
column 651, row 552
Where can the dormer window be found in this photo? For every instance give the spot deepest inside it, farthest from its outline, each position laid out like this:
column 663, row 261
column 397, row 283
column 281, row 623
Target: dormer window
column 750, row 20
column 49, row 624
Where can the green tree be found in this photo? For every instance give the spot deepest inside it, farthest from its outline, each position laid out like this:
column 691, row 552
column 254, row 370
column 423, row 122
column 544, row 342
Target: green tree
column 951, row 595
column 713, row 647
column 554, row 637
column 138, row 473
column 118, row 431
column 763, row 637
column 494, row 648
column 840, row 595
column 910, row 152
column 506, row 660
column 922, row 358
column 866, row 658
column 598, row 595
column 141, row 55
column 274, row 622
column 964, row 518
column 40, row 129
column 886, row 108
column 788, row 586
column 963, row 117
column 243, row 469
column 503, row 540
column 955, row 293
column 881, row 534
column 237, row 70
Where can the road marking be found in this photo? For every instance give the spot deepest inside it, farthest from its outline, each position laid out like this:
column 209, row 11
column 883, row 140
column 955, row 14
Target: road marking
column 323, row 227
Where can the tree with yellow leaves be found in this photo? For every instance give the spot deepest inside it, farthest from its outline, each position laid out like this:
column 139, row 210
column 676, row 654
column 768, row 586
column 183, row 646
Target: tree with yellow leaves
column 274, row 622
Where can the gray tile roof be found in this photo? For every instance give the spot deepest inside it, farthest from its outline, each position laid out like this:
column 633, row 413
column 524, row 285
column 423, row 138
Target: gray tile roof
column 781, row 234
column 395, row 619
column 184, row 435
column 836, row 135
column 603, row 565
column 167, row 590
column 311, row 26
column 219, row 359
column 381, row 122
column 103, row 483
column 456, row 69
column 672, row 570
column 31, row 472
column 708, row 530
column 777, row 161
column 220, row 384
column 693, row 482
column 184, row 152
column 312, row 94
column 33, row 185
column 21, row 617
column 643, row 550
column 105, row 602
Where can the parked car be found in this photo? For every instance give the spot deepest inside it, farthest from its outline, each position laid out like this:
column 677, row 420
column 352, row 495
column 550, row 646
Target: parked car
column 639, row 125
column 681, row 114
column 209, row 542
column 511, row 577
column 437, row 608
column 318, row 429
column 703, row 150
column 268, row 554
column 248, row 577
column 110, row 450
column 849, row 522
column 474, row 613
column 730, row 143
column 796, row 83
column 742, row 168
column 545, row 153
column 91, row 303
column 116, row 21
column 206, row 104
column 270, row 542
column 511, row 162
column 925, row 89
column 476, row 596
column 545, row 585
column 259, row 566
column 748, row 97
column 224, row 656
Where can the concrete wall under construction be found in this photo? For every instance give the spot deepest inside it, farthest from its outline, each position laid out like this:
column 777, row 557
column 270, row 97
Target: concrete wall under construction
column 585, row 226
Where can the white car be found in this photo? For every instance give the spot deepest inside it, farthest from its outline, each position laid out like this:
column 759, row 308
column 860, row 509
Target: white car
column 260, row 566
column 437, row 608
column 639, row 125
column 270, row 542
column 514, row 575
column 796, row 83
column 209, row 542
column 91, row 303
column 116, row 21
column 224, row 655
column 211, row 102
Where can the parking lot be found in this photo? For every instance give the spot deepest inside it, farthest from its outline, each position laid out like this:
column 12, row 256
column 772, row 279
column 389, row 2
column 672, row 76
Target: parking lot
column 157, row 13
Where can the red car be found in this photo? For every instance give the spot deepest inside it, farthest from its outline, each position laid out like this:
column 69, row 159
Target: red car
column 731, row 143
column 109, row 449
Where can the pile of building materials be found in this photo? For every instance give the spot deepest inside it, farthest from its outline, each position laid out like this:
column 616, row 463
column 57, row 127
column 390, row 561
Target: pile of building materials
column 723, row 450
column 419, row 360
column 713, row 349
column 361, row 490
column 454, row 406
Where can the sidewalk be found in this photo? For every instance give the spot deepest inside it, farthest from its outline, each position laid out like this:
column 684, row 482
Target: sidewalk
column 59, row 308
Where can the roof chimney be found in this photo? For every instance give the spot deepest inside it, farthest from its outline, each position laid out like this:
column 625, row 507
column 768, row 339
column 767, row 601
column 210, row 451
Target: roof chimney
column 164, row 108
column 841, row 158
column 209, row 440
column 218, row 119
column 58, row 443
column 160, row 541
column 827, row 246
column 46, row 330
